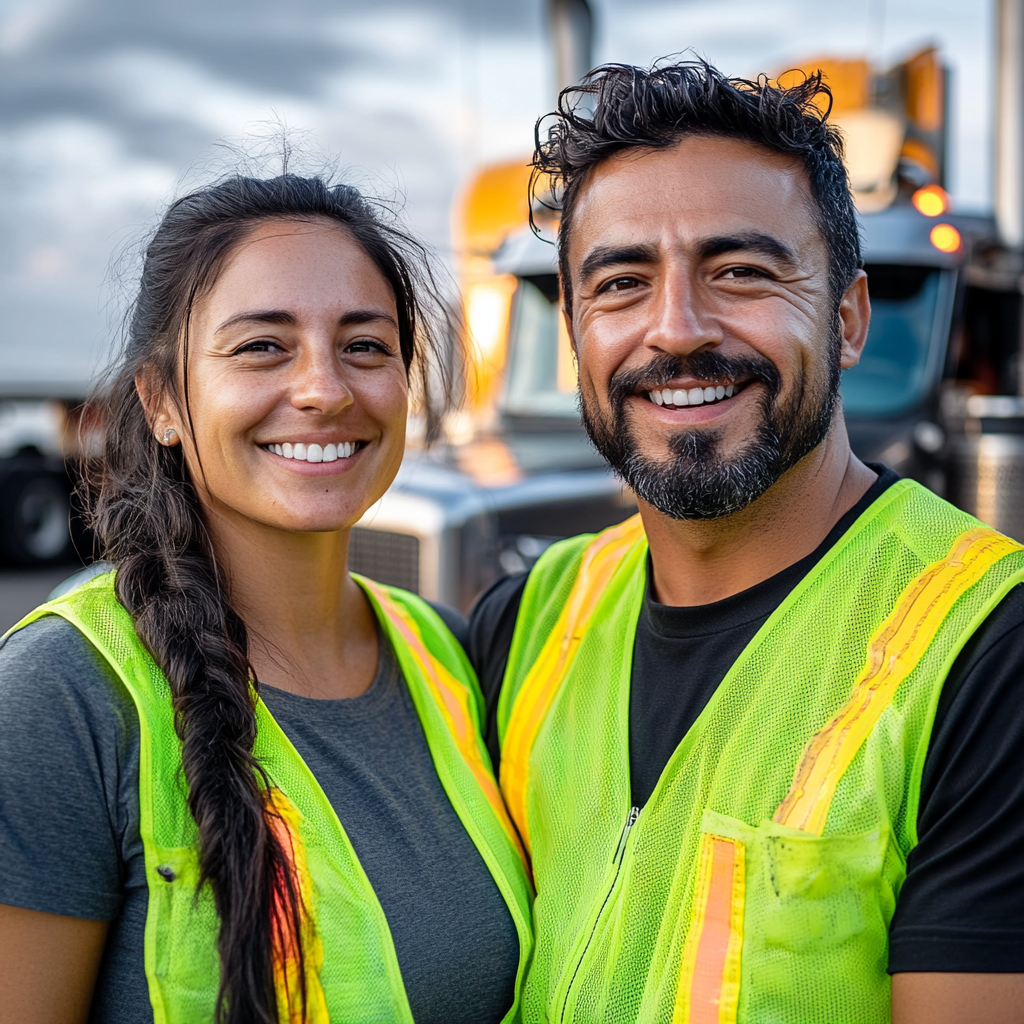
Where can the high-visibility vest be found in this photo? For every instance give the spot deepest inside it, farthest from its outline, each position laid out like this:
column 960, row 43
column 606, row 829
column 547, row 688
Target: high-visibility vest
column 758, row 882
column 352, row 972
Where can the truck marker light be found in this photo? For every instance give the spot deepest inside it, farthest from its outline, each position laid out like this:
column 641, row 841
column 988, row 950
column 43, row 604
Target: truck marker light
column 945, row 238
column 932, row 200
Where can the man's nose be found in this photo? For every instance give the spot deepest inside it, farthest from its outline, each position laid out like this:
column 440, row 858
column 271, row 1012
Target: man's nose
column 320, row 383
column 680, row 321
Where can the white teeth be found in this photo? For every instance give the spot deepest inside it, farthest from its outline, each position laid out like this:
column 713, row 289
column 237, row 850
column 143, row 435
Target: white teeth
column 315, row 452
column 680, row 398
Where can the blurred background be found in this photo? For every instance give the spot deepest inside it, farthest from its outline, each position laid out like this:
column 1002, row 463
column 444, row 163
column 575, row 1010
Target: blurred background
column 109, row 108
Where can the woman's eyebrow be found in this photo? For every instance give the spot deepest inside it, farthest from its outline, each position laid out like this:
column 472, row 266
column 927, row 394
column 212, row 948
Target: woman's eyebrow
column 283, row 316
column 258, row 316
column 367, row 316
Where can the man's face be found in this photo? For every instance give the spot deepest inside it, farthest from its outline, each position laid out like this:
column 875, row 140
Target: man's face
column 709, row 344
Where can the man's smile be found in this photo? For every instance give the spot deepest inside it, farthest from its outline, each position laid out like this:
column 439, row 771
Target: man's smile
column 697, row 394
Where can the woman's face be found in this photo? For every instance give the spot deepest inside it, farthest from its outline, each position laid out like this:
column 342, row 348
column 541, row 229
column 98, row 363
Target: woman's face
column 296, row 385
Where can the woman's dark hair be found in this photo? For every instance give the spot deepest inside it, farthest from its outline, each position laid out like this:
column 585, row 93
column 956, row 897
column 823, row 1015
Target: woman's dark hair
column 148, row 520
column 657, row 108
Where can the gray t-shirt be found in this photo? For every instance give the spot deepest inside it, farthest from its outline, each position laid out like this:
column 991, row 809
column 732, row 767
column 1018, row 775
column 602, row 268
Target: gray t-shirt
column 69, row 823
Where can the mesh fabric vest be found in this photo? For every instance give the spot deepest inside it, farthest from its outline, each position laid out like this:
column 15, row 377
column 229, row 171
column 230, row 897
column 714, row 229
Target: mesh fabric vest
column 352, row 972
column 758, row 882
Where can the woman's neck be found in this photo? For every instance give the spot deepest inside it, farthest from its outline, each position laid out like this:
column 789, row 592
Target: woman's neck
column 311, row 628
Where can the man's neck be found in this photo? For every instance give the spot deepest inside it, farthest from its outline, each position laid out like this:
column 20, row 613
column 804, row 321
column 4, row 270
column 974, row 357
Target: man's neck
column 699, row 561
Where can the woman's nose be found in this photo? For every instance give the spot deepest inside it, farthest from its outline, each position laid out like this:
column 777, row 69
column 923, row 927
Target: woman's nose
column 320, row 385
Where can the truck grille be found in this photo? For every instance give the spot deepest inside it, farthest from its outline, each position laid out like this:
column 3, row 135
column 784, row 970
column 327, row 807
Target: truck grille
column 391, row 558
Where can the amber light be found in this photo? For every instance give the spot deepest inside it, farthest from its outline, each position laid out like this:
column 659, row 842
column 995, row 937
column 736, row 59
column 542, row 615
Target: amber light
column 945, row 238
column 932, row 200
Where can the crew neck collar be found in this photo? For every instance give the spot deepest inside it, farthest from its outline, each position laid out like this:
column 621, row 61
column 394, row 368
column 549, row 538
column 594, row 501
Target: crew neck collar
column 759, row 601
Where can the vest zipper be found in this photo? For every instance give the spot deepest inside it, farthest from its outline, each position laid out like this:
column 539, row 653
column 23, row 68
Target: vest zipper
column 620, row 852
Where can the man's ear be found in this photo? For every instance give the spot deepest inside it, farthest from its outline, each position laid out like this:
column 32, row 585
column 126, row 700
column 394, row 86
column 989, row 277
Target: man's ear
column 161, row 412
column 854, row 316
column 567, row 320
column 566, row 310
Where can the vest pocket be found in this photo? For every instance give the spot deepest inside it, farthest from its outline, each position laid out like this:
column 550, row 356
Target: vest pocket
column 816, row 912
column 181, row 935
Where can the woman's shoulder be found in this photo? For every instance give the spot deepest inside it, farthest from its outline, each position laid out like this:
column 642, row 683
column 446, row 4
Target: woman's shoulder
column 68, row 767
column 49, row 669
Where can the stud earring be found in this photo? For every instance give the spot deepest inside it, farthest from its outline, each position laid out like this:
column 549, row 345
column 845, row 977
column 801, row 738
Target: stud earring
column 170, row 436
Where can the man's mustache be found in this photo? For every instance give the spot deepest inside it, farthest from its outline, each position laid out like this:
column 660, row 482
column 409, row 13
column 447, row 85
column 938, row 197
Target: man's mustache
column 709, row 365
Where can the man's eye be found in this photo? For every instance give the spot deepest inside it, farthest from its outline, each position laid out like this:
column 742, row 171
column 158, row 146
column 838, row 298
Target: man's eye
column 620, row 284
column 744, row 272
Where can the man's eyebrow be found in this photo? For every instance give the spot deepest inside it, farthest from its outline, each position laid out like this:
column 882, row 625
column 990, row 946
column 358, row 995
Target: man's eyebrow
column 614, row 255
column 282, row 316
column 747, row 241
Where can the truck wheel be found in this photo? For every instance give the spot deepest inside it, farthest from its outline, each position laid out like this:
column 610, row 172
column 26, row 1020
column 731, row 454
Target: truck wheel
column 34, row 511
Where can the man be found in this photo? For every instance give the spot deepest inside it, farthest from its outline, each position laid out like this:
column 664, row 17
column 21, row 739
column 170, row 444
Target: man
column 765, row 742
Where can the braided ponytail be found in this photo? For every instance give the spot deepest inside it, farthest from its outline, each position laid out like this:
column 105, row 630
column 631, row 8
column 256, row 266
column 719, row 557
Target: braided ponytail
column 149, row 521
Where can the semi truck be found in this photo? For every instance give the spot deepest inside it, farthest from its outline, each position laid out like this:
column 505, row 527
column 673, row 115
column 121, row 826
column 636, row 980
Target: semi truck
column 39, row 459
column 935, row 395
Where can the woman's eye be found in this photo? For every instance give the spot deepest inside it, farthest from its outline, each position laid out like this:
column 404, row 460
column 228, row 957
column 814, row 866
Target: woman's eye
column 260, row 345
column 367, row 345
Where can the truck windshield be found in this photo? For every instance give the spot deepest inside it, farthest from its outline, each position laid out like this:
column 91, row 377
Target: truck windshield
column 900, row 356
column 541, row 373
column 893, row 374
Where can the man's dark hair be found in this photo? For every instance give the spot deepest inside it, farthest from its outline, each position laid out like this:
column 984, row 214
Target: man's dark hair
column 657, row 108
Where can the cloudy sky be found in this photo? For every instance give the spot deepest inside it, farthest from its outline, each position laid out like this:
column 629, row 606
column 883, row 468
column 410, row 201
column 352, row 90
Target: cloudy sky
column 110, row 107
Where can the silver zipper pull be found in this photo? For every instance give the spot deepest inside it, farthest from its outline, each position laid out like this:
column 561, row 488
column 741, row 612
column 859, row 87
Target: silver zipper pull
column 634, row 813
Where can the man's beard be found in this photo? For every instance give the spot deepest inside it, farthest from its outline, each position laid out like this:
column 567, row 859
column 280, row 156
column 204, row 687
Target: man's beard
column 697, row 481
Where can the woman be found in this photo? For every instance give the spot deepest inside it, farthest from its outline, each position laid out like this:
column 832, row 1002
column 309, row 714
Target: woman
column 235, row 782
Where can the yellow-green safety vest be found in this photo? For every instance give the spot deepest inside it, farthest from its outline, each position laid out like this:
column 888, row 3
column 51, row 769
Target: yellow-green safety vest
column 352, row 971
column 758, row 882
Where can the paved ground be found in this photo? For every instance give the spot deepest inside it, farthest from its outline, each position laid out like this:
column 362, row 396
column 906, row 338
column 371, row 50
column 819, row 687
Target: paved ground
column 21, row 591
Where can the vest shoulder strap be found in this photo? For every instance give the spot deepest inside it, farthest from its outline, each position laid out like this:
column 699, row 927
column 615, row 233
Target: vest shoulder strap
column 436, row 669
column 561, row 596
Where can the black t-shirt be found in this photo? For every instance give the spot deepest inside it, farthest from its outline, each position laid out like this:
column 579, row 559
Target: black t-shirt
column 961, row 907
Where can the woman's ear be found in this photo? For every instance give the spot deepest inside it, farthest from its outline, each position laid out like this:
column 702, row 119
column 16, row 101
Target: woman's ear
column 161, row 412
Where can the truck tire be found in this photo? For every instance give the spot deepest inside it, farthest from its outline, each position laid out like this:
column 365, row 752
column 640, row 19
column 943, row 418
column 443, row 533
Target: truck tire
column 34, row 508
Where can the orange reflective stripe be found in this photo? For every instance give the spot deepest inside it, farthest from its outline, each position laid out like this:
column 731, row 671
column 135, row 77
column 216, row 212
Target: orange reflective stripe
column 453, row 700
column 894, row 651
column 284, row 820
column 600, row 560
column 709, row 978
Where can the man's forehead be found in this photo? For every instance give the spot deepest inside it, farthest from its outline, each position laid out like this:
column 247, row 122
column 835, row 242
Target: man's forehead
column 703, row 185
